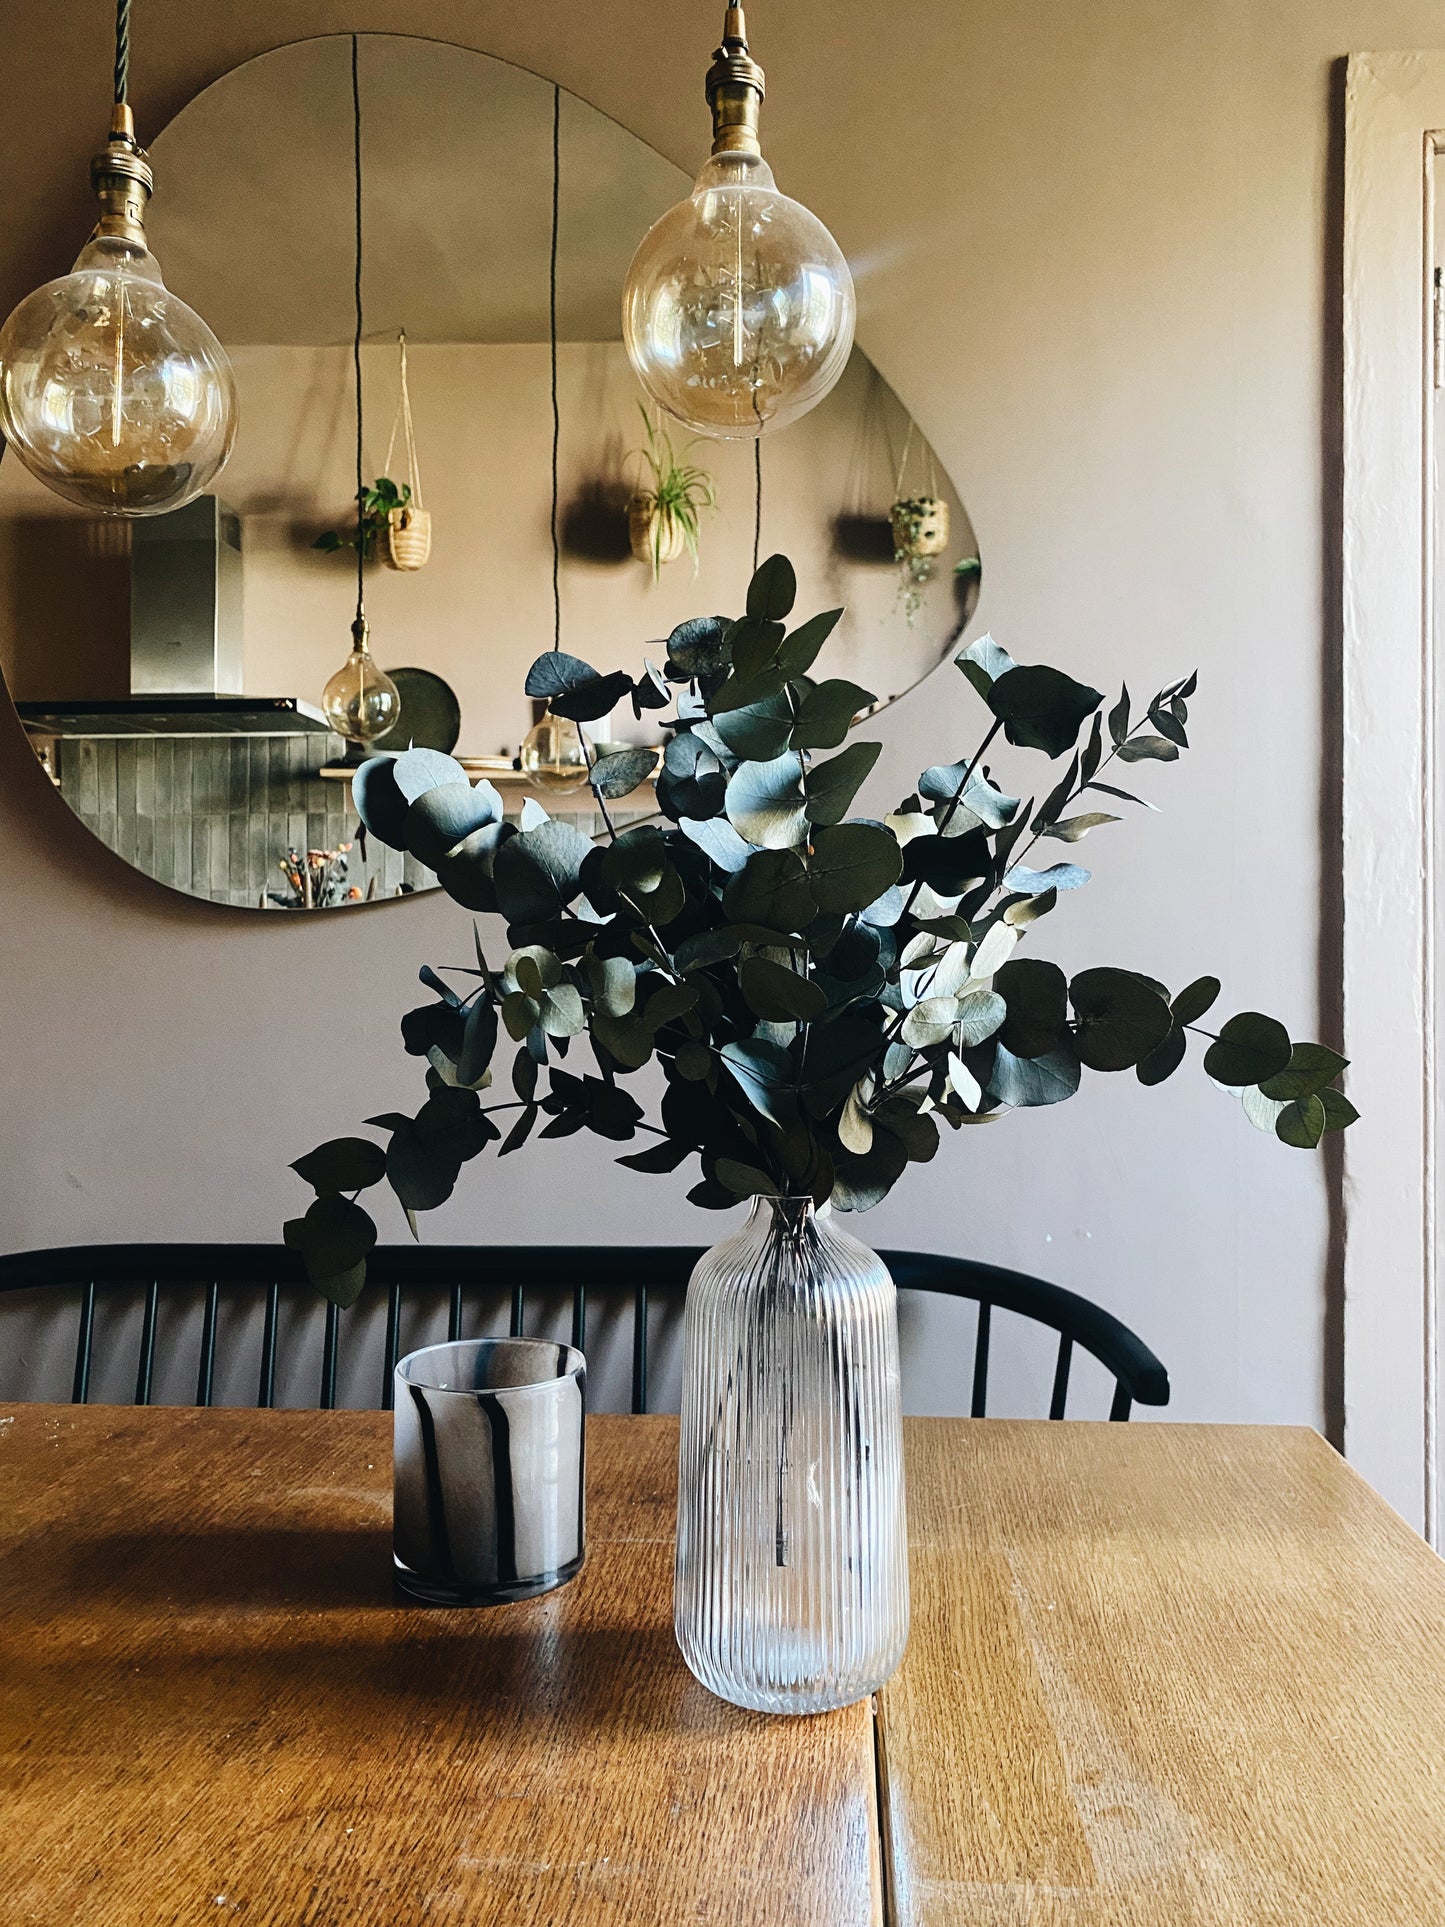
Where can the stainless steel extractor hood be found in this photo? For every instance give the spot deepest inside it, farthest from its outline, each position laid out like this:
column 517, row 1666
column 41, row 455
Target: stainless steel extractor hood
column 185, row 642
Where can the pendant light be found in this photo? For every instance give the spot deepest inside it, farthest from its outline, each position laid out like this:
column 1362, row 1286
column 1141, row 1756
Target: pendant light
column 555, row 754
column 738, row 307
column 113, row 393
column 361, row 701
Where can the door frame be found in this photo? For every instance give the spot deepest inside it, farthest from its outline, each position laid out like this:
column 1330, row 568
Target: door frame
column 1394, row 128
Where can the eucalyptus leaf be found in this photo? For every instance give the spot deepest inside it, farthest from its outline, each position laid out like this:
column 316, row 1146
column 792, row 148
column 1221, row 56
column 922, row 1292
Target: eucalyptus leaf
column 421, row 1179
column 335, row 1239
column 538, row 872
column 1194, row 1000
column 1263, row 1112
column 758, row 731
column 753, row 644
column 1163, row 1060
column 1059, row 876
column 718, row 840
column 773, row 889
column 1073, row 827
column 379, row 802
column 765, row 802
column 1249, row 1049
column 745, row 1180
column 980, row 1014
column 342, row 1164
column 1026, row 1082
column 825, row 715
column 987, row 661
column 763, row 1072
column 1042, row 708
column 778, row 994
column 416, row 771
column 831, row 787
column 1310, row 1068
column 995, row 950
column 1122, row 1019
column 930, row 1022
column 699, row 647
column 773, row 589
column 1143, row 749
column 620, row 774
column 1301, row 1123
column 800, row 651
column 852, row 864
column 1035, row 995
column 441, row 818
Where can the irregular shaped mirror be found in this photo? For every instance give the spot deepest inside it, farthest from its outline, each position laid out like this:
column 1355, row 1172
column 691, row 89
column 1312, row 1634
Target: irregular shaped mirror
column 170, row 672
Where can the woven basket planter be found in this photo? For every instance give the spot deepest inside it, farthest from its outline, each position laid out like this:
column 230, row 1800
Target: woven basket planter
column 920, row 527
column 408, row 538
column 655, row 534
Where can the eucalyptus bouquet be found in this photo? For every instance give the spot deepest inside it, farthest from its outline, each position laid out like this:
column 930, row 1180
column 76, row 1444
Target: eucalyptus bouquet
column 823, row 994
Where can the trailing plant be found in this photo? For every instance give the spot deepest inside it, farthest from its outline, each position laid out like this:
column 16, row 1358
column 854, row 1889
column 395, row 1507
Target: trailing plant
column 377, row 502
column 678, row 493
column 822, row 994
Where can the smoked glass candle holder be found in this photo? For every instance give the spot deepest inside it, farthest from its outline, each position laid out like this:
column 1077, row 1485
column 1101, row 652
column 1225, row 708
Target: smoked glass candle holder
column 488, row 1470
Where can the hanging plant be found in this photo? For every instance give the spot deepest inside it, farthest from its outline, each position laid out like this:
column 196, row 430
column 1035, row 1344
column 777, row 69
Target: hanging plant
column 408, row 524
column 378, row 504
column 663, row 520
column 920, row 525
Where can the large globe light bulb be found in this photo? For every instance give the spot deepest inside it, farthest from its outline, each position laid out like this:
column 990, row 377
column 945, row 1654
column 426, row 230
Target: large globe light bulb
column 738, row 308
column 113, row 392
column 361, row 702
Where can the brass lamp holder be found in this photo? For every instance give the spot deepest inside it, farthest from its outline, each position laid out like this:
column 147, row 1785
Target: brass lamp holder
column 735, row 91
column 360, row 631
column 122, row 180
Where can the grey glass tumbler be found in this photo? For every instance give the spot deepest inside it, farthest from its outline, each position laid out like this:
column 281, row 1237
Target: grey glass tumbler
column 487, row 1482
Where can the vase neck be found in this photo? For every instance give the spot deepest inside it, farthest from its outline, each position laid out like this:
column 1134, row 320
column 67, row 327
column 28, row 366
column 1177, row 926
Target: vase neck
column 782, row 1216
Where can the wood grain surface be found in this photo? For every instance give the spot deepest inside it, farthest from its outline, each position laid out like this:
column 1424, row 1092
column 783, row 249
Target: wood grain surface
column 1162, row 1674
column 1158, row 1675
column 213, row 1708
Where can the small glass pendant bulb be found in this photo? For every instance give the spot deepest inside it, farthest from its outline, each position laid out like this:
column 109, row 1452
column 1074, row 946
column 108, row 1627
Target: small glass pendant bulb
column 113, row 392
column 738, row 308
column 554, row 754
column 361, row 701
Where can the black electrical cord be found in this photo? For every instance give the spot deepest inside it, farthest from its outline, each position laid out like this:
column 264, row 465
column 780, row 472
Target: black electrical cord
column 356, row 337
column 552, row 312
column 122, row 48
column 757, row 499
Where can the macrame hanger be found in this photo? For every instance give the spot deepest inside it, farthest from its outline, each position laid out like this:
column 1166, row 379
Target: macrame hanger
column 402, row 419
column 903, row 464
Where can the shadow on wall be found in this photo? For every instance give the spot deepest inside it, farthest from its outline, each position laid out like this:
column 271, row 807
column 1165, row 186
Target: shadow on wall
column 65, row 608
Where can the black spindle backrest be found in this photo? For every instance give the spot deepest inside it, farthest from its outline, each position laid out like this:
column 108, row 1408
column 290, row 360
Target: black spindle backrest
column 633, row 1271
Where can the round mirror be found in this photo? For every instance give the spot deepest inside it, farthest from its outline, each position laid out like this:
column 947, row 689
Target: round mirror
column 170, row 672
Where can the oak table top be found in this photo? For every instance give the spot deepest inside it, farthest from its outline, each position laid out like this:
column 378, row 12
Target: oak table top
column 1158, row 1674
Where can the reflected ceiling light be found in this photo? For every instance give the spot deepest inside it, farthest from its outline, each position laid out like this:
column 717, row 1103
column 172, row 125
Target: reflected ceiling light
column 361, row 701
column 113, row 392
column 738, row 307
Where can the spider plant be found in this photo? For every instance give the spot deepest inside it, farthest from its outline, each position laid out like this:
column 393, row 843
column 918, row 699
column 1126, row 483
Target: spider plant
column 665, row 515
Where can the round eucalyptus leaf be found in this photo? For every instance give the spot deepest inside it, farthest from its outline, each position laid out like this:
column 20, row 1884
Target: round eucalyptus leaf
column 1122, row 1019
column 379, row 802
column 1250, row 1048
column 1163, row 1060
column 1194, row 1000
column 441, row 818
column 421, row 1178
column 1301, row 1123
column 1035, row 994
column 1042, row 708
column 773, row 589
column 772, row 890
column 778, row 994
column 416, row 771
column 852, row 864
column 765, row 802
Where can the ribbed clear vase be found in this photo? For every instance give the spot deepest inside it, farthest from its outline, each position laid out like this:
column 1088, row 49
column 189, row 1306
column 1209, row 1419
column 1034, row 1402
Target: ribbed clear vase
column 791, row 1588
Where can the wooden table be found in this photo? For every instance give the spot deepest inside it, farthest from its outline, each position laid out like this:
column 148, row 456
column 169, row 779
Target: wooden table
column 1158, row 1674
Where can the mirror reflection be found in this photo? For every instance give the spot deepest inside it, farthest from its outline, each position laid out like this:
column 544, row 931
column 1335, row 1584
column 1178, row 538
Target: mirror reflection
column 170, row 672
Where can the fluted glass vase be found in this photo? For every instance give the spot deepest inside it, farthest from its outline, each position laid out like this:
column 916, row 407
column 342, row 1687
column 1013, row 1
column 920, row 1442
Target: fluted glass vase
column 791, row 1589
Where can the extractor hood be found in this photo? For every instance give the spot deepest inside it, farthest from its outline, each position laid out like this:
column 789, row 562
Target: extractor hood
column 185, row 642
